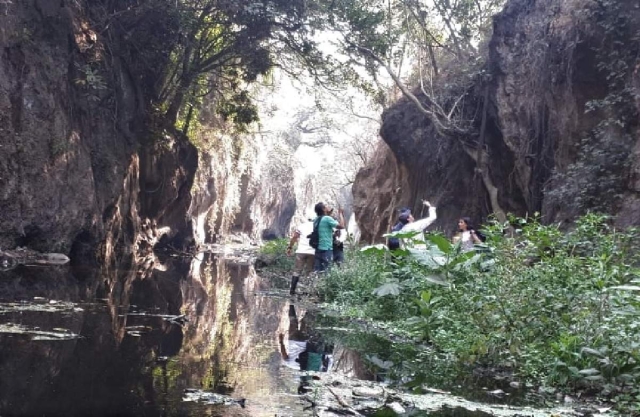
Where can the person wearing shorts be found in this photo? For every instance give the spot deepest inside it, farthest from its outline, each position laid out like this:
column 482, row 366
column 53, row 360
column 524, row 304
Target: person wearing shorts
column 305, row 254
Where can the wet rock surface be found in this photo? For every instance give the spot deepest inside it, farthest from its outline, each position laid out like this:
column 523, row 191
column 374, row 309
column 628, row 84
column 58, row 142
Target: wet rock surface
column 344, row 396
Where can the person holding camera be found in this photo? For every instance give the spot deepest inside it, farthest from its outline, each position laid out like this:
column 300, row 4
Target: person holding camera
column 325, row 226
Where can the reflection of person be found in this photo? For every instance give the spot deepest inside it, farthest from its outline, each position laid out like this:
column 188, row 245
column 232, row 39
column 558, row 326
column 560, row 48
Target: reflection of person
column 466, row 235
column 303, row 351
column 325, row 224
column 305, row 254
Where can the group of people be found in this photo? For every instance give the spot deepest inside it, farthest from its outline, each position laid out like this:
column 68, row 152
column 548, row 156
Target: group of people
column 466, row 235
column 330, row 243
column 331, row 236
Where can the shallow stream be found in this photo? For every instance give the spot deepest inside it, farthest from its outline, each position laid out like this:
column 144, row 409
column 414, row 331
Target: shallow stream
column 179, row 338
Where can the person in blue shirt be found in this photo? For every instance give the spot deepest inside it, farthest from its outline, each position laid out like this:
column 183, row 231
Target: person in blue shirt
column 326, row 225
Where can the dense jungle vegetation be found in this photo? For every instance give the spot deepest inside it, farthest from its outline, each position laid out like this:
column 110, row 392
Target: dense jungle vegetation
column 535, row 306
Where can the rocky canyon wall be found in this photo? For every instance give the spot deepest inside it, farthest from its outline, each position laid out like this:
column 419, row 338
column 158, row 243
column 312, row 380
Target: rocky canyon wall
column 561, row 129
column 243, row 186
column 68, row 169
column 86, row 165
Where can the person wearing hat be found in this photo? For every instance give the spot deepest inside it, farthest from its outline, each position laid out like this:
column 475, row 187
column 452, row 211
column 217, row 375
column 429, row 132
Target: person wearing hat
column 406, row 223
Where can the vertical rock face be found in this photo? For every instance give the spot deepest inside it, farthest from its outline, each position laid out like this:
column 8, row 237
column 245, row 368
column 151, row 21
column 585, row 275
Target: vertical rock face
column 565, row 104
column 268, row 205
column 376, row 200
column 241, row 187
column 562, row 124
column 77, row 163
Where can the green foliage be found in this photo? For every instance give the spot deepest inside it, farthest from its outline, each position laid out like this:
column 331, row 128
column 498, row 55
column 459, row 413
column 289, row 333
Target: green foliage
column 276, row 251
column 239, row 109
column 549, row 306
column 92, row 82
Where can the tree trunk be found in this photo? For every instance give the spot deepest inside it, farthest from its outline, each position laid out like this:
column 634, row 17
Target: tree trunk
column 482, row 167
column 177, row 101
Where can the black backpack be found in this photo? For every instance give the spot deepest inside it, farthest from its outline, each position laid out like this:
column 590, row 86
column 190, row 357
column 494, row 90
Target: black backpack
column 313, row 237
column 394, row 242
column 337, row 244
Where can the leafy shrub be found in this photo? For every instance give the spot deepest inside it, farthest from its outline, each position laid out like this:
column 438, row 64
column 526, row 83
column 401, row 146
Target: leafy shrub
column 545, row 305
column 275, row 253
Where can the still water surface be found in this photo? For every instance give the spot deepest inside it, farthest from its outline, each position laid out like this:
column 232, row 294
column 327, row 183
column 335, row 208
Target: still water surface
column 154, row 338
column 79, row 342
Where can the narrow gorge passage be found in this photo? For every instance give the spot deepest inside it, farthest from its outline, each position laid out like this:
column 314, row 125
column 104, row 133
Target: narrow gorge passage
column 151, row 150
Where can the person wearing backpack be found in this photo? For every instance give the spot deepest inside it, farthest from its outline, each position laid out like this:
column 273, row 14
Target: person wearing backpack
column 406, row 223
column 322, row 236
column 403, row 218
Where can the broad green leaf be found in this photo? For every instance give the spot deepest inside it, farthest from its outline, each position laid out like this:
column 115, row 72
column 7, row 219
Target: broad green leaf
column 441, row 242
column 589, row 371
column 390, row 288
column 379, row 248
column 433, row 258
column 437, row 279
column 402, row 235
column 593, row 352
column 626, row 287
column 465, row 257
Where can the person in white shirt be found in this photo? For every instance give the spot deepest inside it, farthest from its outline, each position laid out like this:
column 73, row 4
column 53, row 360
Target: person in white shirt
column 467, row 235
column 305, row 254
column 413, row 225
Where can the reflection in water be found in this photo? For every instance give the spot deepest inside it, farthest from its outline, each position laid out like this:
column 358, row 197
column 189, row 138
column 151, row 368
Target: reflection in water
column 147, row 336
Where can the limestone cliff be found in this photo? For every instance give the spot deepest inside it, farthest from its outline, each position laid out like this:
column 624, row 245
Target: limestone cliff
column 561, row 130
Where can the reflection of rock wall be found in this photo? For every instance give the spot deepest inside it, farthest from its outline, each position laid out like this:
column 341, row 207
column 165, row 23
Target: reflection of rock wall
column 227, row 323
column 50, row 377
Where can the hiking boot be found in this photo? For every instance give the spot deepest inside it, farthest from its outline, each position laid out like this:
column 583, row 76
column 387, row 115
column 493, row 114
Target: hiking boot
column 294, row 284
